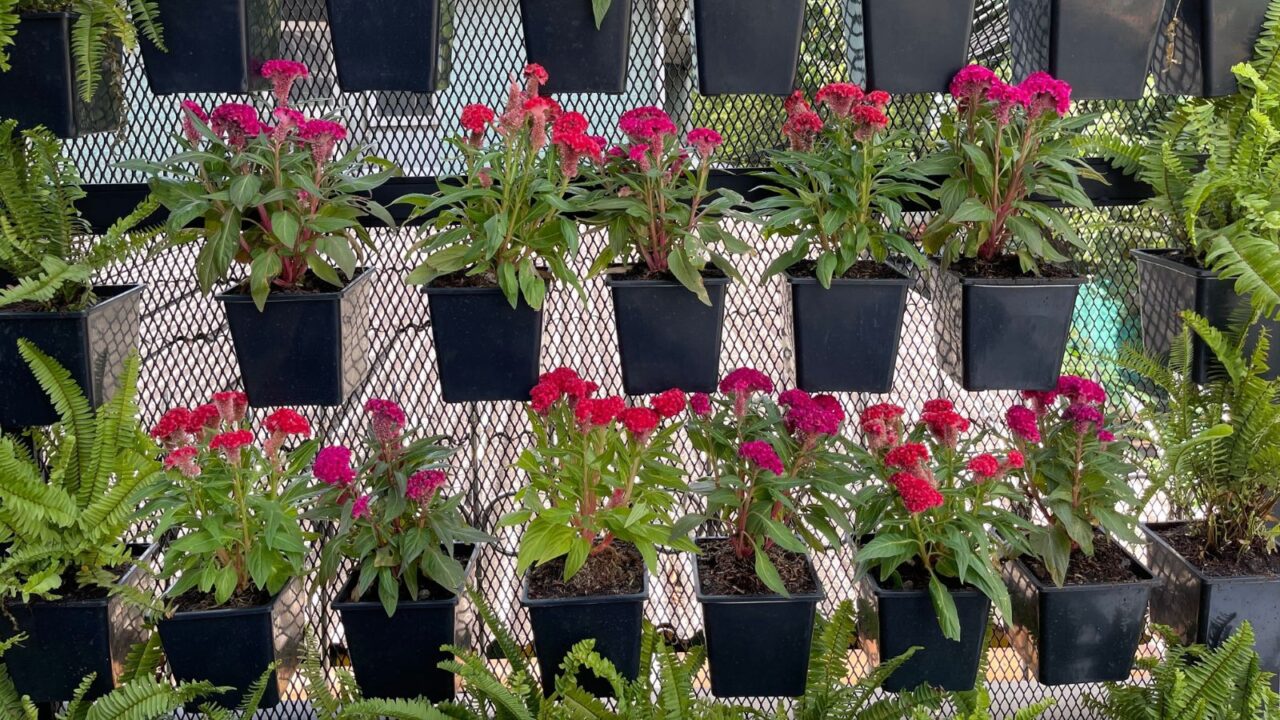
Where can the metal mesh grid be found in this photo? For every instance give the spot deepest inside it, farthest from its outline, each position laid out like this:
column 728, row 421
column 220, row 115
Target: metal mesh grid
column 187, row 352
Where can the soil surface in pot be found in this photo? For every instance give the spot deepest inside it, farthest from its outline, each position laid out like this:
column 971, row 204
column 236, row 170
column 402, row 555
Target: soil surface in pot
column 723, row 573
column 461, row 279
column 640, row 271
column 311, row 285
column 1006, row 267
column 1189, row 540
column 914, row 577
column 427, row 589
column 1109, row 564
column 616, row 570
column 28, row 306
column 195, row 601
column 861, row 270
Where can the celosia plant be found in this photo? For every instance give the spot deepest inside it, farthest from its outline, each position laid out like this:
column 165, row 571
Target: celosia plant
column 929, row 503
column 235, row 502
column 599, row 473
column 395, row 517
column 839, row 189
column 654, row 198
column 270, row 196
column 503, row 220
column 779, row 473
column 1004, row 147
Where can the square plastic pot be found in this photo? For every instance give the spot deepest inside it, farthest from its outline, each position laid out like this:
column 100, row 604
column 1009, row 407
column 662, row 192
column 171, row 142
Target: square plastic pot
column 613, row 621
column 388, row 46
column 846, row 336
column 303, row 348
column 40, row 88
column 1207, row 610
column 213, row 46
column 1228, row 31
column 891, row 622
column 915, row 67
column 667, row 337
column 485, row 349
column 579, row 58
column 758, row 645
column 92, row 344
column 748, row 46
column 1077, row 633
column 997, row 334
column 69, row 639
column 1103, row 48
column 396, row 657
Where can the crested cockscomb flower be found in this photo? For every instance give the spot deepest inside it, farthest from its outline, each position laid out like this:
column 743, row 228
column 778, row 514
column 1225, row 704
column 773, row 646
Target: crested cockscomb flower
column 1106, row 436
column 232, row 405
column 190, row 109
column 972, row 82
column 908, row 456
column 1044, row 93
column 879, row 98
column 230, row 443
column 360, row 508
column 287, row 121
column 1006, row 98
column 286, row 421
column 1015, row 460
column 1022, row 421
column 840, row 97
column 535, row 77
column 700, row 404
column 762, row 455
column 236, row 122
column 540, row 111
column 573, row 148
column 1079, row 390
column 884, row 411
column 569, row 124
column 598, row 412
column 1087, row 418
column 881, row 425
column 323, row 135
column 183, row 460
column 476, row 118
column 543, row 396
column 946, row 426
column 985, row 466
column 746, row 380
column 204, row 417
column 387, row 419
column 639, row 421
column 796, row 103
column 868, row 121
column 423, row 484
column 811, row 415
column 332, row 466
column 705, row 141
column 1040, row 400
column 639, row 154
column 171, row 429
column 670, row 403
column 939, row 405
column 647, row 124
column 801, row 128
column 283, row 74
column 795, row 396
column 918, row 494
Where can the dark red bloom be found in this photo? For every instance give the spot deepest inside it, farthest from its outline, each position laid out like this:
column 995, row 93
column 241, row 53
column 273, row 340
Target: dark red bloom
column 1023, row 423
column 1015, row 460
column 762, row 455
column 946, row 426
column 202, row 418
column 700, row 404
column 907, row 457
column 745, row 381
column 639, row 421
column 918, row 494
column 985, row 466
column 599, row 412
column 423, row 484
column 386, row 417
column 476, row 118
column 231, row 442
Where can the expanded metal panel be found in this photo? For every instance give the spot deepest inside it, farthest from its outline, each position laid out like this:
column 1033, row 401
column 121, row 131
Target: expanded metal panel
column 187, row 351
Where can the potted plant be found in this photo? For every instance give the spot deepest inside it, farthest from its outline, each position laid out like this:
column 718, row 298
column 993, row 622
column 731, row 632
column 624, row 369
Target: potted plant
column 652, row 195
column 234, row 570
column 1214, row 459
column 599, row 502
column 1079, row 598
column 61, row 64
column 410, row 549
column 71, row 582
column 777, row 483
column 747, row 46
column 496, row 236
column 925, row 552
column 48, row 259
column 915, row 67
column 274, row 202
column 385, row 47
column 838, row 192
column 212, row 46
column 1102, row 47
column 585, row 45
column 1002, row 297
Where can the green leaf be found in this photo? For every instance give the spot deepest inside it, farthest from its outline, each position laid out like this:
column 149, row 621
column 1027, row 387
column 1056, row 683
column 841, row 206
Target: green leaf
column 768, row 574
column 243, row 190
column 945, row 607
column 972, row 210
column 285, row 226
column 600, row 8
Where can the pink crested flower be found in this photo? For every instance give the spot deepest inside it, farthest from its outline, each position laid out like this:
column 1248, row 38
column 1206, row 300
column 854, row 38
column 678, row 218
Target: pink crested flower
column 796, row 103
column 231, row 443
column 236, row 122
column 1041, row 400
column 323, row 135
column 574, row 148
column 811, row 415
column 909, row 456
column 918, row 494
column 332, row 466
column 1086, row 418
column 1015, row 460
column 840, row 97
column 535, row 76
column 762, row 455
column 639, row 421
column 879, row 98
column 387, row 419
column 881, row 425
column 205, row 417
column 283, row 74
column 191, row 109
column 1022, row 421
column 1006, row 98
column 171, row 429
column 287, row 121
column 868, row 121
column 801, row 128
column 476, row 118
column 1080, row 390
column 183, row 460
column 700, row 404
column 986, row 466
column 670, row 403
column 1106, row 436
column 360, row 508
column 746, row 380
column 231, row 405
column 705, row 141
column 287, row 422
column 639, row 154
column 971, row 83
column 1044, row 93
column 946, row 426
column 569, row 124
column 423, row 484
column 647, row 125
column 939, row 405
column 598, row 412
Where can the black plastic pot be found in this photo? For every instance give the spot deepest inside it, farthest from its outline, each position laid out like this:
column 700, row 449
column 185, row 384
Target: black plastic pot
column 1228, row 31
column 1102, row 47
column 562, row 37
column 213, row 46
column 998, row 334
column 758, row 646
column 897, row 66
column 485, row 349
column 92, row 344
column 1207, row 610
column 1078, row 633
column 846, row 337
column 748, row 46
column 233, row 647
column 303, row 348
column 385, row 46
column 69, row 639
column 396, row 657
column 40, row 88
column 667, row 337
column 891, row 622
column 1167, row 287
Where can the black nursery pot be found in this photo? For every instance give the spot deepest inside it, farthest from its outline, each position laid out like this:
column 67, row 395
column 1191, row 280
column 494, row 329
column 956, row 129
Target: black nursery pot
column 213, row 46
column 40, row 88
column 758, row 646
column 396, row 657
column 846, row 336
column 485, row 349
column 613, row 621
column 91, row 344
column 1102, row 48
column 1228, row 31
column 667, row 337
column 562, row 37
column 385, row 46
column 748, row 46
column 1167, row 287
column 1003, row 334
column 303, row 348
column 898, row 66
column 891, row 622
column 69, row 639
column 1078, row 633
column 1207, row 610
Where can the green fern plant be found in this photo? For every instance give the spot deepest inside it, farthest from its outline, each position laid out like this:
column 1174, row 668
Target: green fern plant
column 46, row 248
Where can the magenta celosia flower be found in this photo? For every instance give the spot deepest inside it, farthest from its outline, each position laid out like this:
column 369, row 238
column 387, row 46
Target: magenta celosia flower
column 190, row 109
column 288, row 120
column 801, row 128
column 705, row 141
column 1085, row 417
column 639, row 421
column 840, row 97
column 1006, row 98
column 332, row 466
column 171, row 429
column 1015, row 460
column 423, row 484
column 746, row 380
column 762, row 455
column 946, row 426
column 908, row 456
column 985, row 466
column 323, row 135
column 796, row 103
column 231, row 405
column 1043, row 94
column 639, row 154
column 700, row 404
column 230, row 443
column 918, row 494
column 868, row 121
column 1106, row 437
column 808, row 415
column 183, row 460
column 283, row 74
column 360, row 508
column 236, row 122
column 1080, row 390
column 1022, row 421
column 647, row 125
column 670, row 403
column 881, row 425
column 972, row 82
column 1040, row 400
column 387, row 418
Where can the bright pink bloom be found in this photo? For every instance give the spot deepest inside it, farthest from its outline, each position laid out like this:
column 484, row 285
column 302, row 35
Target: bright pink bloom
column 762, row 455
column 883, row 411
column 172, row 426
column 796, row 103
column 819, row 415
column 647, row 125
column 191, row 108
column 569, row 124
column 879, row 98
column 231, row 442
column 1106, row 437
column 946, row 426
column 840, row 97
column 535, row 76
column 323, row 135
column 203, row 418
column 183, row 460
column 287, row 422
column 639, row 421
column 1006, row 98
column 283, row 74
column 1043, row 94
column 1080, row 390
column 1015, row 460
column 972, row 82
column 1085, row 417
column 939, row 405
column 670, row 403
column 231, row 405
column 1040, row 400
column 332, row 466
column 573, row 148
column 360, row 508
column 985, row 466
column 704, row 142
column 387, row 419
column 745, row 381
column 423, row 484
column 1023, row 422
column 236, row 122
column 869, row 121
column 918, row 494
column 700, row 404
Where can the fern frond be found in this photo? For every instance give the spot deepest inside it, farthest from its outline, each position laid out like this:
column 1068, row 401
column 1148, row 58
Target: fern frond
column 72, row 407
column 390, row 709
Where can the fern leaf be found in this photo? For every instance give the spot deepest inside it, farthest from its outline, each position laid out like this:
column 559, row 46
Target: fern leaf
column 72, row 407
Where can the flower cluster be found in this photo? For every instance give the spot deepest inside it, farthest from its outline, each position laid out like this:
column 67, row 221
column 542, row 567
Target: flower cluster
column 217, row 427
column 811, row 414
column 1084, row 410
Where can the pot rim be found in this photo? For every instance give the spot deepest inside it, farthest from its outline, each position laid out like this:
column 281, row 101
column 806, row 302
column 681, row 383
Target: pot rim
column 819, row 594
column 1041, row 587
column 617, row 282
column 1157, row 256
column 48, row 15
column 881, row 591
column 149, row 551
column 121, row 292
column 222, row 612
column 904, row 279
column 1150, row 530
column 1034, row 283
column 362, row 273
column 529, row 602
column 347, row 587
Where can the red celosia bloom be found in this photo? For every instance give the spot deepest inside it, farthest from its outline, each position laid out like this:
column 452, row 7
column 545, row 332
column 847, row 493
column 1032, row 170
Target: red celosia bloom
column 1015, row 460
column 475, row 119
column 946, row 426
column 573, row 148
column 801, row 128
column 762, row 455
column 704, row 142
column 840, row 97
column 971, row 83
column 231, row 442
column 543, row 396
column 793, row 397
column 819, row 415
column 172, row 427
column 670, row 403
column 918, row 494
column 796, row 103
column 202, row 418
column 879, row 98
column 231, row 405
column 883, row 411
column 639, row 154
column 283, row 74
column 985, row 466
column 191, row 108
column 647, row 125
column 536, row 76
column 565, row 382
column 939, row 405
column 1006, row 98
column 700, row 404
column 745, row 381
column 423, row 484
column 1106, row 436
column 387, row 418
column 569, row 124
column 869, row 120
column 1040, row 400
column 639, row 421
column 1043, row 93
column 879, row 433
column 236, row 122
column 1022, row 422
column 1081, row 390
column 287, row 422
column 183, row 460
column 544, row 108
column 598, row 412
column 360, row 508
column 831, row 405
column 332, row 466
column 323, row 135
column 908, row 456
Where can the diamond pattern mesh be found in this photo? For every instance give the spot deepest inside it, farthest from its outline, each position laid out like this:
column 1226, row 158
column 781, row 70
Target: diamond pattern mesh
column 187, row 351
